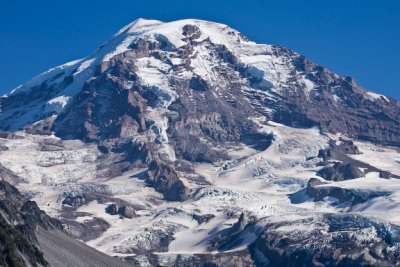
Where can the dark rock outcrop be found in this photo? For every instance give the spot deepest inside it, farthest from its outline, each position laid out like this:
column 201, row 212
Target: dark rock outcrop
column 74, row 201
column 347, row 147
column 18, row 220
column 344, row 147
column 312, row 183
column 166, row 181
column 385, row 175
column 191, row 31
column 198, row 84
column 350, row 112
column 240, row 258
column 125, row 211
column 203, row 218
column 29, row 237
column 340, row 172
column 233, row 236
column 51, row 144
column 350, row 240
column 320, row 190
column 112, row 209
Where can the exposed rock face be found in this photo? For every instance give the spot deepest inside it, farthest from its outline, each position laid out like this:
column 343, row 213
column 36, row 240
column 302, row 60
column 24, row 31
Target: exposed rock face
column 341, row 195
column 29, row 237
column 347, row 147
column 203, row 218
column 319, row 190
column 371, row 245
column 296, row 101
column 90, row 117
column 191, row 31
column 18, row 220
column 237, row 258
column 8, row 175
column 340, row 172
column 344, row 147
column 127, row 212
column 51, row 145
column 229, row 238
column 166, row 181
column 74, row 201
column 122, row 210
column 349, row 112
column 112, row 209
column 311, row 191
column 384, row 174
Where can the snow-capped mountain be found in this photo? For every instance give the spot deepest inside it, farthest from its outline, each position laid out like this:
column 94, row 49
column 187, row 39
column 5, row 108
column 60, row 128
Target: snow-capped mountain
column 186, row 143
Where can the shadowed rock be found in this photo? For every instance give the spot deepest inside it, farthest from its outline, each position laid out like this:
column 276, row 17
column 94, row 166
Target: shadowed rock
column 340, row 172
column 166, row 181
column 122, row 210
column 349, row 240
column 74, row 201
column 319, row 191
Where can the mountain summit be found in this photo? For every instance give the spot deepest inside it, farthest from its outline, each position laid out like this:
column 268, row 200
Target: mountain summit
column 185, row 143
column 203, row 62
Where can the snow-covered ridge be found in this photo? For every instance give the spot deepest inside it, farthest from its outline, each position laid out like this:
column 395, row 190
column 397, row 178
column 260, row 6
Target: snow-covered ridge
column 67, row 80
column 140, row 28
column 210, row 52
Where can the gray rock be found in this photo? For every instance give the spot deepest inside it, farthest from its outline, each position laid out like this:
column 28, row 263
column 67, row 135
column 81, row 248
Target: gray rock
column 343, row 244
column 191, row 31
column 385, row 175
column 127, row 212
column 31, row 238
column 340, row 172
column 347, row 147
column 200, row 218
column 166, row 181
column 74, row 201
column 50, row 144
column 112, row 209
column 319, row 190
column 122, row 210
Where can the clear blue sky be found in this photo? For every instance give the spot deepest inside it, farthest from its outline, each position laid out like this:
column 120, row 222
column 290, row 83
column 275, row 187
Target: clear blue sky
column 356, row 38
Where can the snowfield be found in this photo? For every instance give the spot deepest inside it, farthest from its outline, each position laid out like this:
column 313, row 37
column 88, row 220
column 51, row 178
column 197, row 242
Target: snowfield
column 258, row 184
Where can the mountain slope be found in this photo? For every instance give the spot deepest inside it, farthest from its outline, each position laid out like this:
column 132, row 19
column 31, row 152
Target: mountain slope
column 196, row 61
column 30, row 238
column 184, row 143
column 18, row 242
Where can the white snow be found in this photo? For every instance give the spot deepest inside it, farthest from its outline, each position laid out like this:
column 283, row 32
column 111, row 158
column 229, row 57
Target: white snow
column 257, row 183
column 386, row 159
column 272, row 71
column 375, row 96
column 44, row 77
column 57, row 104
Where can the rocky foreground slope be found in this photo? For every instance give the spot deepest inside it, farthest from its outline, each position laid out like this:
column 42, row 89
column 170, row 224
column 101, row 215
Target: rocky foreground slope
column 186, row 144
column 31, row 238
